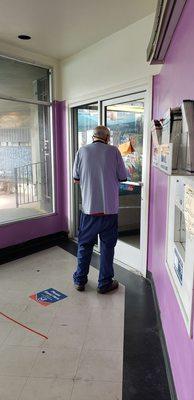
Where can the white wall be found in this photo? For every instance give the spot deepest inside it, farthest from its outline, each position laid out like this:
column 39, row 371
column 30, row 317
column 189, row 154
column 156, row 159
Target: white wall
column 19, row 53
column 115, row 60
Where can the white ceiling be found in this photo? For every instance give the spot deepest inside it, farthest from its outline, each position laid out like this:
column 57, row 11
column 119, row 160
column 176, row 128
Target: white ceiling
column 60, row 28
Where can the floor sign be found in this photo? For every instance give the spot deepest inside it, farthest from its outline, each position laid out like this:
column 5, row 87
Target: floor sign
column 48, row 296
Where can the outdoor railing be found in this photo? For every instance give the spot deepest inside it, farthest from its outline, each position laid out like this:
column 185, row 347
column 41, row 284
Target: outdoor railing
column 29, row 183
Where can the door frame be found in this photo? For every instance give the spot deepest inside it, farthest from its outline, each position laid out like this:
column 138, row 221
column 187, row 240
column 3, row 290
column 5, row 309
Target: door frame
column 143, row 85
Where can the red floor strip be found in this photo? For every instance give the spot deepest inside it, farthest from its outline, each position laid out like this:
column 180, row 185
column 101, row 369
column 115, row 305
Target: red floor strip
column 23, row 326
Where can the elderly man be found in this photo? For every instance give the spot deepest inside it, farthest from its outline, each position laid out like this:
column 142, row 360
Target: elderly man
column 98, row 168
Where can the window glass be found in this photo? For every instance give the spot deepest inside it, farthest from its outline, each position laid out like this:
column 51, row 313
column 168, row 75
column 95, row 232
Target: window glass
column 22, row 80
column 26, row 184
column 87, row 120
column 125, row 122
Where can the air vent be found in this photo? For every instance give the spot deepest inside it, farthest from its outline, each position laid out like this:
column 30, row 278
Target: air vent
column 167, row 16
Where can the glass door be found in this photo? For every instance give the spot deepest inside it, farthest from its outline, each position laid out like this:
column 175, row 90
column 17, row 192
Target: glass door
column 85, row 119
column 125, row 119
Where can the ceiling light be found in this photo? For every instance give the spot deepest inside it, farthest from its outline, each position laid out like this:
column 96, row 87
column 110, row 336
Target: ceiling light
column 24, row 37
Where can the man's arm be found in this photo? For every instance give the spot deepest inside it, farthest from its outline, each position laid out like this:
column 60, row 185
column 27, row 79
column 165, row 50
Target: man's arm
column 121, row 169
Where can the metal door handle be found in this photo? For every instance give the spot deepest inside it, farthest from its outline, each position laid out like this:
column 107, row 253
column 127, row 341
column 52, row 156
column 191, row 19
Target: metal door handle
column 133, row 183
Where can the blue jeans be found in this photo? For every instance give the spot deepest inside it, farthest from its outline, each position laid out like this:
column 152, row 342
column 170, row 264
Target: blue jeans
column 107, row 228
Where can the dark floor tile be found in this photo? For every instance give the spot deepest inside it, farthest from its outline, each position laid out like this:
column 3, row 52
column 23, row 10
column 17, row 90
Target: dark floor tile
column 144, row 392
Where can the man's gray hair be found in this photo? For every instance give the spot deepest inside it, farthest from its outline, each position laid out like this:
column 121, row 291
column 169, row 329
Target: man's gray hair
column 101, row 132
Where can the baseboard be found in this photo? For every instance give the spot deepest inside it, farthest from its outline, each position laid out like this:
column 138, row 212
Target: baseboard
column 31, row 246
column 163, row 340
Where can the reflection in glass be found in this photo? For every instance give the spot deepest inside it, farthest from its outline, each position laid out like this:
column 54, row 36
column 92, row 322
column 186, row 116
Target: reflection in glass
column 125, row 122
column 21, row 80
column 87, row 120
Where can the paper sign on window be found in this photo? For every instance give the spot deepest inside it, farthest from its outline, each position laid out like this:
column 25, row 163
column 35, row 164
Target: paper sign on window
column 189, row 209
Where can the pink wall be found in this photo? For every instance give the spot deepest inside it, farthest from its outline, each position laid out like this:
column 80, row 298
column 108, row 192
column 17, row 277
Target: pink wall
column 171, row 86
column 19, row 232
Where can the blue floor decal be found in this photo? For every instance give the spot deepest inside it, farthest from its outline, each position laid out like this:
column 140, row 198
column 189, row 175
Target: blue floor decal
column 48, row 296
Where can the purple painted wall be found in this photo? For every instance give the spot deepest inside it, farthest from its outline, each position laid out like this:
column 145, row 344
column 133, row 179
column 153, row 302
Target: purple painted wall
column 22, row 231
column 171, row 86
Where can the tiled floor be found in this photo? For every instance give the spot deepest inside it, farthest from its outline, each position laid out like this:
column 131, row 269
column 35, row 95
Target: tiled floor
column 133, row 240
column 144, row 368
column 83, row 356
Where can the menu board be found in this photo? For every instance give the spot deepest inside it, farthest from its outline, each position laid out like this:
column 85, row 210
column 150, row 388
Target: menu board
column 162, row 157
